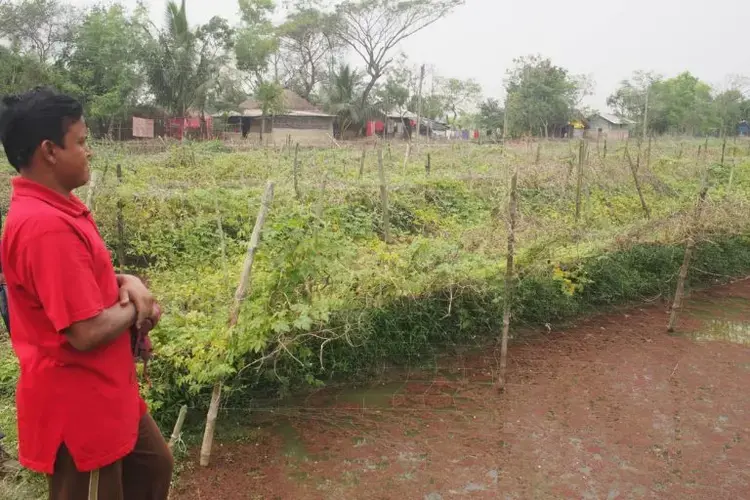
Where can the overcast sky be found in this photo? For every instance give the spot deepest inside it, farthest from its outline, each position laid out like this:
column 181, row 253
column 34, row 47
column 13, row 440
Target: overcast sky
column 606, row 39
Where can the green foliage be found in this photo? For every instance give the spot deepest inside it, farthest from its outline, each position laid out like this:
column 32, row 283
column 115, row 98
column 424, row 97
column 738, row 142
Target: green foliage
column 184, row 64
column 255, row 40
column 343, row 97
column 680, row 105
column 103, row 62
column 540, row 95
column 459, row 95
column 19, row 73
column 491, row 115
column 38, row 28
column 329, row 300
column 307, row 40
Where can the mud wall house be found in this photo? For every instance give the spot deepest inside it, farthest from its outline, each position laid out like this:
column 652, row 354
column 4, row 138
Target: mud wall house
column 300, row 122
column 608, row 126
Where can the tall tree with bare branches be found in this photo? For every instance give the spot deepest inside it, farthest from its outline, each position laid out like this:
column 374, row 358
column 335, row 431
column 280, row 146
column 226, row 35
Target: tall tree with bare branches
column 373, row 29
column 306, row 41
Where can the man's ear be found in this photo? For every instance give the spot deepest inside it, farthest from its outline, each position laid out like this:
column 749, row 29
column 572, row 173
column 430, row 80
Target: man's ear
column 47, row 149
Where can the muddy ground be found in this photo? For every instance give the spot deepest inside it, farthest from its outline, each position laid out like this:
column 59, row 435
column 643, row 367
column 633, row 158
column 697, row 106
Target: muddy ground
column 611, row 407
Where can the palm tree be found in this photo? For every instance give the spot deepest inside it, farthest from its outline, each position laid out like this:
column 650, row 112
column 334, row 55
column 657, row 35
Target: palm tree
column 171, row 69
column 184, row 64
column 344, row 99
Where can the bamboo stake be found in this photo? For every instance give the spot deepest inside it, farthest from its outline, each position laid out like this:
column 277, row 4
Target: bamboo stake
column 636, row 180
column 320, row 202
column 604, row 156
column 645, row 114
column 579, row 177
column 384, row 198
column 90, row 192
column 508, row 299
column 428, row 165
column 178, row 427
column 120, row 224
column 362, row 163
column 538, row 153
column 406, row 155
column 296, row 172
column 731, row 170
column 419, row 106
column 239, row 297
column 689, row 247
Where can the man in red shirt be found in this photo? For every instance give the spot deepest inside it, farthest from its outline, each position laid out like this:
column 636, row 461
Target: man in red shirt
column 81, row 419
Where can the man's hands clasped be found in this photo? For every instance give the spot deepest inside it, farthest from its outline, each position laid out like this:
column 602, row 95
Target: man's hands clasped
column 133, row 290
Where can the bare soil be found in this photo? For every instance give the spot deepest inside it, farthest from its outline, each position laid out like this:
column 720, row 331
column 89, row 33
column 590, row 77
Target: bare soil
column 609, row 408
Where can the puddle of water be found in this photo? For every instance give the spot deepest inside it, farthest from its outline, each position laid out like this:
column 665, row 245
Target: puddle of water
column 726, row 307
column 293, row 445
column 737, row 332
column 377, row 396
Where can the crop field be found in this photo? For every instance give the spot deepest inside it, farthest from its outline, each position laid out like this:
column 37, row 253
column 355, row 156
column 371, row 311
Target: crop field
column 375, row 258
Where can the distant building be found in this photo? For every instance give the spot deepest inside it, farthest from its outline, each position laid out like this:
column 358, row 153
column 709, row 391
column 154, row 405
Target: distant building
column 743, row 129
column 578, row 128
column 604, row 125
column 300, row 122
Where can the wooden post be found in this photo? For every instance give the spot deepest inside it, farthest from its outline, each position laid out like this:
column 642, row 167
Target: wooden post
column 321, row 197
column 734, row 164
column 538, row 153
column 636, row 180
column 427, row 165
column 296, row 172
column 419, row 105
column 178, row 427
column 723, row 150
column 705, row 150
column 645, row 114
column 239, row 297
column 120, row 224
column 505, row 123
column 508, row 298
column 689, row 247
column 384, row 198
column 90, row 192
column 406, row 155
column 362, row 163
column 579, row 177
column 604, row 153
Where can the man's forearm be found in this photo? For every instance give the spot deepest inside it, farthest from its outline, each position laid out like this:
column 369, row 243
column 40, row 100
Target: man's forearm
column 102, row 329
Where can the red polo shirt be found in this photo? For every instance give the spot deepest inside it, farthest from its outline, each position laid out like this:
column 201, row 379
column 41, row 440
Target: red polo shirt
column 59, row 272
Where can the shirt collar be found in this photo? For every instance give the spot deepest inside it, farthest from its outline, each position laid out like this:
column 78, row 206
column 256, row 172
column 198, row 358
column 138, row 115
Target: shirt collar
column 70, row 205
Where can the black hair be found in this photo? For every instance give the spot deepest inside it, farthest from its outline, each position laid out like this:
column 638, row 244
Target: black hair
column 28, row 119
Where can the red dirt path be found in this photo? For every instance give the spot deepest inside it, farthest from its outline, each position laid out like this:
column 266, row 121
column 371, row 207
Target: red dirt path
column 611, row 408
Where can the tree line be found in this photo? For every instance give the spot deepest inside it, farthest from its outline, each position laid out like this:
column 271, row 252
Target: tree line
column 119, row 62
